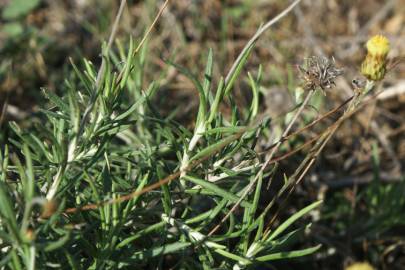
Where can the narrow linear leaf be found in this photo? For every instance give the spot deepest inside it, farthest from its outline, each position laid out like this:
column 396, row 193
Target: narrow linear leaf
column 161, row 250
column 288, row 254
column 292, row 219
column 238, row 69
column 217, row 190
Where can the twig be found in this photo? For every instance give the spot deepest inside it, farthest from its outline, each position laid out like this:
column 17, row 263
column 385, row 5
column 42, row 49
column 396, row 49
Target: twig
column 393, row 91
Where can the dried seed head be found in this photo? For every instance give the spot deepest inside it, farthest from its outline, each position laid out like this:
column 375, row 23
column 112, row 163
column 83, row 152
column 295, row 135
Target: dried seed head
column 374, row 65
column 319, row 72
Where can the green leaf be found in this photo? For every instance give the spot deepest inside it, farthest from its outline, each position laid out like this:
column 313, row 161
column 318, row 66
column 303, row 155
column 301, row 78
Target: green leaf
column 233, row 256
column 7, row 211
column 58, row 244
column 130, row 110
column 292, row 219
column 160, row 250
column 58, row 115
column 218, row 98
column 217, row 190
column 141, row 233
column 208, row 215
column 254, row 107
column 288, row 239
column 208, row 74
column 18, row 8
column 62, row 105
column 236, row 129
column 237, row 71
column 288, row 254
column 128, row 63
column 30, row 179
column 215, row 147
column 4, row 261
column 256, row 198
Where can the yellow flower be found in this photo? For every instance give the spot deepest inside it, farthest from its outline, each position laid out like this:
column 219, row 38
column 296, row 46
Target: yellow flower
column 374, row 65
column 360, row 266
column 378, row 45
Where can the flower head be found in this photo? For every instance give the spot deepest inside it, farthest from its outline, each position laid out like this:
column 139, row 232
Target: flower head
column 378, row 45
column 374, row 65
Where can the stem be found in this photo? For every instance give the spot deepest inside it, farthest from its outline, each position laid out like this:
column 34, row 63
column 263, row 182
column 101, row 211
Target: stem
column 193, row 142
column 55, row 184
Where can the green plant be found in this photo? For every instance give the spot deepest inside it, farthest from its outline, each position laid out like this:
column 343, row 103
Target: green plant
column 94, row 184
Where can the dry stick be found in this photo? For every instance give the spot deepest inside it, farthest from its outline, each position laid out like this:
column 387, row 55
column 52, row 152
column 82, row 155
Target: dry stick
column 4, row 109
column 306, row 164
column 295, row 150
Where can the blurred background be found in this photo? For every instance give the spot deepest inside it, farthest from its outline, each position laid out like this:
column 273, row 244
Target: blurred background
column 360, row 175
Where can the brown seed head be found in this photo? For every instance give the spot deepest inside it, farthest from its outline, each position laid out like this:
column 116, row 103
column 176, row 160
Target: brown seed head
column 319, row 72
